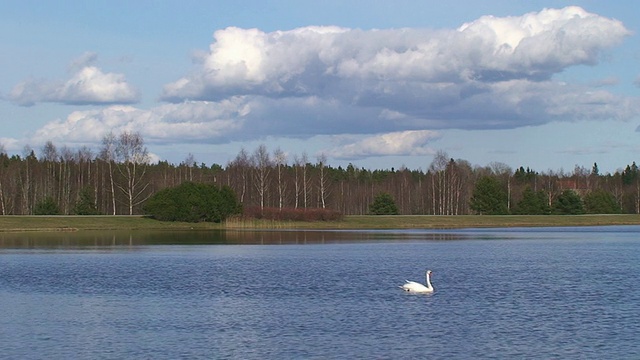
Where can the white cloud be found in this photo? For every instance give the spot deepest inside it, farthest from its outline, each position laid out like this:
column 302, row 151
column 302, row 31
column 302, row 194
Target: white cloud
column 489, row 73
column 391, row 144
column 540, row 44
column 300, row 61
column 87, row 85
column 9, row 144
column 190, row 121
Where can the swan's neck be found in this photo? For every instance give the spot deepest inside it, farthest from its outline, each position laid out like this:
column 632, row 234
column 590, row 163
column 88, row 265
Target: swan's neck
column 429, row 281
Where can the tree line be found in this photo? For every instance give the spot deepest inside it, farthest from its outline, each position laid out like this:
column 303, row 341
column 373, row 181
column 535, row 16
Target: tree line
column 118, row 178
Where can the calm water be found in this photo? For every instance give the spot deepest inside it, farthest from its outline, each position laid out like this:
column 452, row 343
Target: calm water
column 531, row 293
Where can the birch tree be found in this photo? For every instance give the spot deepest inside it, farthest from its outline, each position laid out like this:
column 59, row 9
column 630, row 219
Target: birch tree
column 238, row 168
column 49, row 155
column 297, row 167
column 190, row 163
column 108, row 155
column 133, row 159
column 4, row 159
column 261, row 172
column 26, row 180
column 306, row 181
column 437, row 170
column 323, row 180
column 280, row 160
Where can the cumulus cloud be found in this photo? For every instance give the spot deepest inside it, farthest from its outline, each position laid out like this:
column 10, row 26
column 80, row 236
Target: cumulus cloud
column 390, row 90
column 489, row 73
column 190, row 121
column 87, row 85
column 412, row 142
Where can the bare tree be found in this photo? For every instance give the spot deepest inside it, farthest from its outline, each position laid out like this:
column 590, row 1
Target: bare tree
column 108, row 155
column 49, row 156
column 262, row 169
column 306, row 180
column 26, row 179
column 66, row 163
column 190, row 163
column 133, row 159
column 297, row 165
column 240, row 168
column 83, row 157
column 3, row 156
column 323, row 180
column 438, row 169
column 280, row 159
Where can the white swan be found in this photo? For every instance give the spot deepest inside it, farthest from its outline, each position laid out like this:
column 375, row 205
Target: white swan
column 412, row 286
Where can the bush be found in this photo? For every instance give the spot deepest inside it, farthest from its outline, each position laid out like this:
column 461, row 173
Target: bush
column 191, row 202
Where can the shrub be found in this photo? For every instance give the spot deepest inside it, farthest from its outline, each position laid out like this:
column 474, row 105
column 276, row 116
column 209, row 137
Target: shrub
column 191, row 202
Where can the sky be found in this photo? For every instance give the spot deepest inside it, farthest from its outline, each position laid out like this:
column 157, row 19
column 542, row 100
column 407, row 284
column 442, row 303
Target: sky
column 548, row 85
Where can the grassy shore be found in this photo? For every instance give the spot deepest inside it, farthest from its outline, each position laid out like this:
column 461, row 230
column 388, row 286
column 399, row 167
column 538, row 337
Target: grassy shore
column 80, row 223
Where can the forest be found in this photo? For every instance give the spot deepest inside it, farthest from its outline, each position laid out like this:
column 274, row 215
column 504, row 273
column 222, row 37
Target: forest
column 118, row 178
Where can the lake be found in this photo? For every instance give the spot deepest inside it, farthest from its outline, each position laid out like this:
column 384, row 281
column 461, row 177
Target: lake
column 563, row 293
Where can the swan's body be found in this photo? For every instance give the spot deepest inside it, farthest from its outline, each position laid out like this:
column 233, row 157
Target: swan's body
column 412, row 286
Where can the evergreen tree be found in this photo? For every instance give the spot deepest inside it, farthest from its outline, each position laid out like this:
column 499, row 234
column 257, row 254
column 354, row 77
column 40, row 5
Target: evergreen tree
column 630, row 174
column 383, row 204
column 568, row 203
column 488, row 197
column 521, row 175
column 47, row 206
column 601, row 202
column 85, row 204
column 532, row 203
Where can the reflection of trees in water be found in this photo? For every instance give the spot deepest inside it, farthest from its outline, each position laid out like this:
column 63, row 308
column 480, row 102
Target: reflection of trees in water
column 104, row 239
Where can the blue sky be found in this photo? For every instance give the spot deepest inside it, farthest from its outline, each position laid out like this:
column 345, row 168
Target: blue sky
column 548, row 85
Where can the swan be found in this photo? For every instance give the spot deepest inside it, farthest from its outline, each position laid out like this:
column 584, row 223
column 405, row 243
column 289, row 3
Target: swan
column 415, row 287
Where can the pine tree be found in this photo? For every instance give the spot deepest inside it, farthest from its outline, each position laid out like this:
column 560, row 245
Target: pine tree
column 383, row 204
column 488, row 197
column 568, row 203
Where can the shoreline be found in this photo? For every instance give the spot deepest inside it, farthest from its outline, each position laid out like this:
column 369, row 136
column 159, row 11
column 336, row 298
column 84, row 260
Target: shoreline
column 67, row 223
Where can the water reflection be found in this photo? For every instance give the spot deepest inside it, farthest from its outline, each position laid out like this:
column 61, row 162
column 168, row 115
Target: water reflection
column 88, row 239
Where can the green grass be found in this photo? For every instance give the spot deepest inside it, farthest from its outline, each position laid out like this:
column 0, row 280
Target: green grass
column 484, row 221
column 79, row 223
column 76, row 223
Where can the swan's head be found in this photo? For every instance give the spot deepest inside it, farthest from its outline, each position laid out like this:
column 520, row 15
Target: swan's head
column 428, row 272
